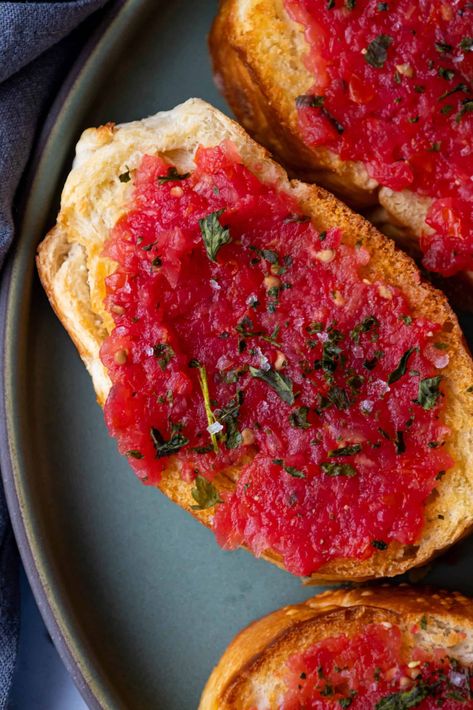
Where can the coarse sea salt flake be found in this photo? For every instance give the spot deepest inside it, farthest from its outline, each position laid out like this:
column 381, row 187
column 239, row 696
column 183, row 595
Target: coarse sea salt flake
column 214, row 428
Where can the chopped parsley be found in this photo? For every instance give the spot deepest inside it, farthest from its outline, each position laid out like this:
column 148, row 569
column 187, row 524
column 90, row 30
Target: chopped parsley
column 331, row 468
column 382, row 6
column 345, row 450
column 466, row 44
column 443, row 47
column 213, row 234
column 228, row 415
column 467, row 107
column 174, row 443
column 399, row 442
column 428, row 392
column 298, row 418
column 205, row 494
column 365, row 326
column 134, row 454
column 404, row 700
column 377, row 51
column 400, row 370
column 446, row 74
column 125, row 177
column 171, row 176
column 379, row 545
column 164, row 354
column 281, row 384
column 294, row 472
column 423, row 622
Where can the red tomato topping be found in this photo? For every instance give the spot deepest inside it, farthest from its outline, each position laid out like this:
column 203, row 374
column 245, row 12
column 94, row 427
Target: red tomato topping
column 394, row 90
column 373, row 670
column 245, row 336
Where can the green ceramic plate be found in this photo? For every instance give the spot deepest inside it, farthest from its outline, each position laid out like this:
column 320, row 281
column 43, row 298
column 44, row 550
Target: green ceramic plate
column 138, row 597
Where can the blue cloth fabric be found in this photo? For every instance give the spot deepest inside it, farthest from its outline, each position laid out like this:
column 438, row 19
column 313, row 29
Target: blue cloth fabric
column 38, row 43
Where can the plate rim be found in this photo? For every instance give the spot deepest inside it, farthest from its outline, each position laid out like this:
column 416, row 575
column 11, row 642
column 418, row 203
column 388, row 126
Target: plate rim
column 120, row 21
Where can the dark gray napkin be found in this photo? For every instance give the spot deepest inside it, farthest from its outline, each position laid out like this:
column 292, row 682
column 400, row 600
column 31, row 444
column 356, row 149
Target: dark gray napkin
column 37, row 48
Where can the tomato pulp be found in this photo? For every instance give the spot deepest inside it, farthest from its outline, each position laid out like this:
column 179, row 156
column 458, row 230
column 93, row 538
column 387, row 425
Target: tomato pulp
column 245, row 337
column 373, row 670
column 393, row 89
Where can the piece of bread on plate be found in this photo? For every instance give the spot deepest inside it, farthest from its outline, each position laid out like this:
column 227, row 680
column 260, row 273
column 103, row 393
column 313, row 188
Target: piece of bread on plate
column 327, row 85
column 265, row 357
column 382, row 647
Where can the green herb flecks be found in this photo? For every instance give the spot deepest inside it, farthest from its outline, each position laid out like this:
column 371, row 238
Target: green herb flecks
column 466, row 107
column 445, row 73
column 400, row 370
column 379, row 544
column 213, row 234
column 428, row 392
column 443, row 47
column 345, row 450
column 294, row 472
column 228, row 415
column 172, row 445
column 399, row 442
column 125, row 177
column 404, row 700
column 281, row 384
column 164, row 354
column 365, row 326
column 466, row 44
column 172, row 176
column 330, row 468
column 134, row 454
column 377, row 51
column 298, row 418
column 205, row 494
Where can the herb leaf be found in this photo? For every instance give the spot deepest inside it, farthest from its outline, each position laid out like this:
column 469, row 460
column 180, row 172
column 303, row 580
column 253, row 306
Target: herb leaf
column 366, row 325
column 377, row 51
column 166, row 448
column 298, row 418
column 164, row 353
column 172, row 175
column 380, row 545
column 404, row 700
column 214, row 235
column 228, row 415
column 400, row 370
column 134, row 454
column 428, row 392
column 205, row 494
column 281, row 384
column 330, row 468
column 345, row 450
column 294, row 472
column 125, row 177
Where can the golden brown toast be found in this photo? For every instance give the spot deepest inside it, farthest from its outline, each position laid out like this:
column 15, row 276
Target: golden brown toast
column 258, row 55
column 73, row 271
column 250, row 674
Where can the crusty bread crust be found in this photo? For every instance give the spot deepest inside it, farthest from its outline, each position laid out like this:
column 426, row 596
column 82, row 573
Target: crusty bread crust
column 72, row 270
column 252, row 666
column 257, row 52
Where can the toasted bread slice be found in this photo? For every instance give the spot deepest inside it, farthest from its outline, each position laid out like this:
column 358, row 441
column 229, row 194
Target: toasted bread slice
column 258, row 53
column 73, row 269
column 252, row 673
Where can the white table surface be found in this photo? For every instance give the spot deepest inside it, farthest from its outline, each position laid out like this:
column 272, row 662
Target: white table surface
column 41, row 681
